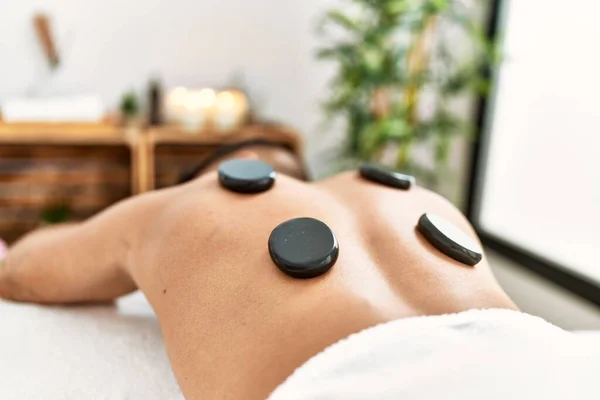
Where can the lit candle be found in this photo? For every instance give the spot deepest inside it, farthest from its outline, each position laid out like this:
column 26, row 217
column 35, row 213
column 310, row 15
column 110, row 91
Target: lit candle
column 231, row 107
column 174, row 104
column 199, row 108
column 193, row 109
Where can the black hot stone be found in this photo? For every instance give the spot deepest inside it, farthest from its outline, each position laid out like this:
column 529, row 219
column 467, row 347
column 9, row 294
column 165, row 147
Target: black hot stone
column 246, row 176
column 303, row 247
column 450, row 240
column 386, row 176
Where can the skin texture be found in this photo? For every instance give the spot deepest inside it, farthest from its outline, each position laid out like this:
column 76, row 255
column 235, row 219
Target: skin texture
column 234, row 325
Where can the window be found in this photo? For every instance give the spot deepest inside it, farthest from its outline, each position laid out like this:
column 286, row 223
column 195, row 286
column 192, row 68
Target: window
column 537, row 179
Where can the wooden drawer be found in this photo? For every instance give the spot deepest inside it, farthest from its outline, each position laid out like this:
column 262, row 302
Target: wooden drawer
column 34, row 178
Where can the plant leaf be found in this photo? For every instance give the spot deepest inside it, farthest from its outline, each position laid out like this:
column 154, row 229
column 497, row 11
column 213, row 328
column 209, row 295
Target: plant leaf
column 343, row 20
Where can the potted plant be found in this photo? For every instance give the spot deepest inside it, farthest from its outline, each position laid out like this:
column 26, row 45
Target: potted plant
column 130, row 109
column 55, row 214
column 399, row 76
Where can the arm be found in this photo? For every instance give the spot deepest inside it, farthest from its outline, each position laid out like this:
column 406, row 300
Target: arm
column 81, row 262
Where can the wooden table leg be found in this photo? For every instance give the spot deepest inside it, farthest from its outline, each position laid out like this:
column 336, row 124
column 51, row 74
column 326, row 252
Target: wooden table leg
column 142, row 163
column 148, row 164
column 137, row 148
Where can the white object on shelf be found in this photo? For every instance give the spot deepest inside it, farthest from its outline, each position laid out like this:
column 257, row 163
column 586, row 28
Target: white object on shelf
column 58, row 109
column 198, row 108
column 231, row 107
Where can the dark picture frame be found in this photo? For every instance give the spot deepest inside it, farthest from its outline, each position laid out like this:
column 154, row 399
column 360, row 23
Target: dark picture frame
column 554, row 272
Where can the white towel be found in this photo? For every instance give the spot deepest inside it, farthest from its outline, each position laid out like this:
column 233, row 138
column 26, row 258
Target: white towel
column 74, row 353
column 479, row 354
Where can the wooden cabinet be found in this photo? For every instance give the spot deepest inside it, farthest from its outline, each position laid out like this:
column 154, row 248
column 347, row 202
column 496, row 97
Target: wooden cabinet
column 86, row 168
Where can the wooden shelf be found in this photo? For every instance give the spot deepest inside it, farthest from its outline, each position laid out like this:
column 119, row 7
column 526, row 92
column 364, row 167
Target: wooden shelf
column 76, row 134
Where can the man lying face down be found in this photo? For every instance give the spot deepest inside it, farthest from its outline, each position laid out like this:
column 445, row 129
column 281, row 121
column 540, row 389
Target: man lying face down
column 242, row 304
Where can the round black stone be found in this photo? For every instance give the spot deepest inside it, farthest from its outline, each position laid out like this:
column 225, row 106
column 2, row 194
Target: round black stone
column 246, row 176
column 449, row 239
column 385, row 176
column 303, row 247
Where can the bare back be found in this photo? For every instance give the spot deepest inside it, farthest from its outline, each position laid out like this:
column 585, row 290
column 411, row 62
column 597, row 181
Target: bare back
column 206, row 250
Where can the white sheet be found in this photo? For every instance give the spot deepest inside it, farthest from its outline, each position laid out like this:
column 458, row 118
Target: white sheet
column 101, row 352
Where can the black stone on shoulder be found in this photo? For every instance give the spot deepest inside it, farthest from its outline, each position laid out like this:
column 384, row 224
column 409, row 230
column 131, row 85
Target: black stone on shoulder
column 246, row 176
column 449, row 239
column 303, row 247
column 386, row 176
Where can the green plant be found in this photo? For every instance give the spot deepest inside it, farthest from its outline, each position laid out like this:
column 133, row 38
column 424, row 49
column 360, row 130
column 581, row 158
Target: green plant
column 399, row 74
column 130, row 105
column 55, row 214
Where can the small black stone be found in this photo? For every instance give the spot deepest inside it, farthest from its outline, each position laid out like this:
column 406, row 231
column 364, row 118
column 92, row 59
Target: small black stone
column 246, row 176
column 385, row 176
column 449, row 239
column 303, row 247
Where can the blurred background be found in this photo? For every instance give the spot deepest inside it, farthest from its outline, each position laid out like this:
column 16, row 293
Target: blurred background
column 492, row 103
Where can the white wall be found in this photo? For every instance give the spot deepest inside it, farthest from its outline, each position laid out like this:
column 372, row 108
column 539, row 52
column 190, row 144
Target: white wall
column 110, row 46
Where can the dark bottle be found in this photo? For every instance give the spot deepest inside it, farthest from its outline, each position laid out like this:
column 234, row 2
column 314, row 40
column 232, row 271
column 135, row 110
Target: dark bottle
column 155, row 102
